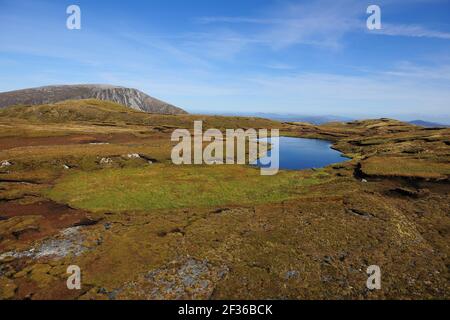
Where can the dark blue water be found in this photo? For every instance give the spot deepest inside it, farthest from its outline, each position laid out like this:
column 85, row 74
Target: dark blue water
column 299, row 153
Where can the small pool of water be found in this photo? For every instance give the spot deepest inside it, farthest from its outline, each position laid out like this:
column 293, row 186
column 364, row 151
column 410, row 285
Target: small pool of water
column 300, row 153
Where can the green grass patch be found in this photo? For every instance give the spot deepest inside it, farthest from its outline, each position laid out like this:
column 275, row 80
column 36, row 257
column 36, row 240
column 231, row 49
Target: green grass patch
column 167, row 186
column 405, row 167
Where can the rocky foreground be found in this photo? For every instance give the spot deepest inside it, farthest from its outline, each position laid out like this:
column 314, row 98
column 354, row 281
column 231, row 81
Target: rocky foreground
column 81, row 185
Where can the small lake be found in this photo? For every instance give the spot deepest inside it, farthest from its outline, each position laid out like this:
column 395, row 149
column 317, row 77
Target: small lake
column 300, row 153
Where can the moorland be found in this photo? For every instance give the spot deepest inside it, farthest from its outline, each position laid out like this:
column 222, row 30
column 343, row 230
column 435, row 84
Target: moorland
column 91, row 183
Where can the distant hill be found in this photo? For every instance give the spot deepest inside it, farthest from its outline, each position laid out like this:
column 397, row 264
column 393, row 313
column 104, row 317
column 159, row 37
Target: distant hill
column 128, row 97
column 304, row 118
column 106, row 113
column 427, row 124
column 286, row 117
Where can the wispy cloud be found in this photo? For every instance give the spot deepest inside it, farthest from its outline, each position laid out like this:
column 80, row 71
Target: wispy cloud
column 209, row 20
column 407, row 70
column 411, row 31
column 281, row 66
column 318, row 23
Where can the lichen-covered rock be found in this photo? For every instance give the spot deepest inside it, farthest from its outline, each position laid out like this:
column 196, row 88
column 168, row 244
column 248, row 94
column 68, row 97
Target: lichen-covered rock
column 68, row 242
column 185, row 279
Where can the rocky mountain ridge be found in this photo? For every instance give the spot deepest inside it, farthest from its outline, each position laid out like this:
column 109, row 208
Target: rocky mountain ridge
column 129, row 97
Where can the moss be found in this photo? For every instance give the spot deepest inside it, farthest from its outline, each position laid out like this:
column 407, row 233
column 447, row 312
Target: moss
column 7, row 288
column 167, row 186
column 40, row 274
column 15, row 226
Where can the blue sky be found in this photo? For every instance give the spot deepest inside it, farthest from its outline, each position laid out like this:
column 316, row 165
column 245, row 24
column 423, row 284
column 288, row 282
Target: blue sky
column 300, row 57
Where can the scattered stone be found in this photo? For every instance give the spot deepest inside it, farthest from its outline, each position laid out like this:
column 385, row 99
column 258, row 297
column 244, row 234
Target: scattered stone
column 106, row 161
column 5, row 163
column 148, row 159
column 291, row 274
column 133, row 156
column 364, row 181
column 66, row 167
column 360, row 213
column 215, row 160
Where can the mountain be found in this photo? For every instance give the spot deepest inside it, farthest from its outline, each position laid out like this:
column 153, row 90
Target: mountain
column 428, row 124
column 131, row 98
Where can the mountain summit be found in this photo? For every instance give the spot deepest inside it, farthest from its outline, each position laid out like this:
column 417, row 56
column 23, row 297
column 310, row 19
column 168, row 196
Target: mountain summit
column 131, row 98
